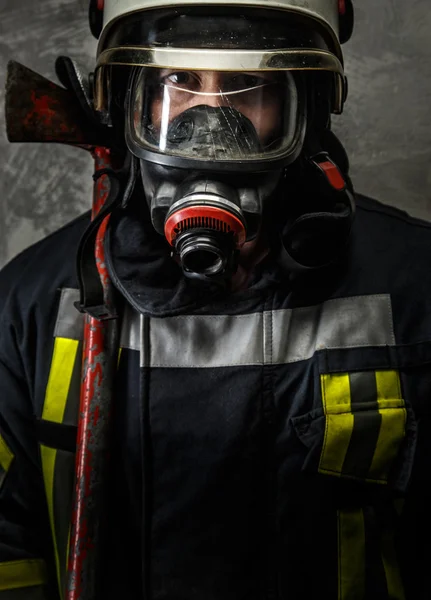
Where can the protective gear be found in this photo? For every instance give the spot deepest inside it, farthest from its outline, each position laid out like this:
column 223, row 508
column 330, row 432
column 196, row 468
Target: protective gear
column 220, row 101
column 206, row 133
column 283, row 426
column 218, row 117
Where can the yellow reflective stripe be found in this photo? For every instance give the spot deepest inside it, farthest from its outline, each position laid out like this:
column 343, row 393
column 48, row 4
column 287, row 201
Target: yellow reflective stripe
column 393, row 425
column 48, row 456
column 390, row 563
column 392, row 431
column 63, row 360
column 351, row 555
column 336, row 393
column 388, row 385
column 57, row 389
column 339, row 422
column 6, row 455
column 22, row 573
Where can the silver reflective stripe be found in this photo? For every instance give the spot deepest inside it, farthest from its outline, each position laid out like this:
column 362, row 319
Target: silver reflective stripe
column 206, row 341
column 270, row 337
column 341, row 323
column 70, row 322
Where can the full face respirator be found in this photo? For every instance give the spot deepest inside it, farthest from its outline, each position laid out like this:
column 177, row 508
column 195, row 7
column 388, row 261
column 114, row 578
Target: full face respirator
column 216, row 109
column 211, row 146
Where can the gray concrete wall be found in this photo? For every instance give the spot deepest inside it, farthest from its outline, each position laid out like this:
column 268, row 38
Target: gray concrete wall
column 386, row 126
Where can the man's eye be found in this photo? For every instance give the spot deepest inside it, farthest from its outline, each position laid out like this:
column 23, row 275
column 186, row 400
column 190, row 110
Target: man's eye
column 179, row 78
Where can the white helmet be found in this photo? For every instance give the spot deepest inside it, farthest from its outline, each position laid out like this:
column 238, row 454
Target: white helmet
column 258, row 35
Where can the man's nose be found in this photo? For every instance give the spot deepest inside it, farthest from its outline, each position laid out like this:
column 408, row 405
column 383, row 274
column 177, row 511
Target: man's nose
column 212, row 87
column 215, row 99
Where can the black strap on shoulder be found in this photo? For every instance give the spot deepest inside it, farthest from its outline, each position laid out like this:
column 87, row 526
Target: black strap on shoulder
column 56, row 435
column 95, row 299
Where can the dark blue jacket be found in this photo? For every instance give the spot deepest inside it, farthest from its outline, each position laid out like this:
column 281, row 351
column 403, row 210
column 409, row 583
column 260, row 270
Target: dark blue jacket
column 290, row 424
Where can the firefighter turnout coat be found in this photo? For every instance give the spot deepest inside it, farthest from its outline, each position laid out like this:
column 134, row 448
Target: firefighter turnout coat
column 290, row 428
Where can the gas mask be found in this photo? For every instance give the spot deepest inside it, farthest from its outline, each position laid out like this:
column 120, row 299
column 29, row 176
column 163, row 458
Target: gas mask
column 217, row 107
column 211, row 146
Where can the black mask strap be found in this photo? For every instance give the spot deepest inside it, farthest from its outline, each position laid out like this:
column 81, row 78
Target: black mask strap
column 314, row 239
column 94, row 299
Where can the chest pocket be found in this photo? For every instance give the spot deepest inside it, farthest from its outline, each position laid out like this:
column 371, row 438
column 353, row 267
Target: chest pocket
column 365, row 425
column 364, row 430
column 364, row 435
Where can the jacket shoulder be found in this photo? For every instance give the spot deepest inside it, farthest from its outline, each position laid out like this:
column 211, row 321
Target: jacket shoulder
column 390, row 237
column 43, row 267
column 371, row 209
column 390, row 253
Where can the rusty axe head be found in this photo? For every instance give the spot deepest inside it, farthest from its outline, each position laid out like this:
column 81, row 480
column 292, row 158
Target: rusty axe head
column 38, row 110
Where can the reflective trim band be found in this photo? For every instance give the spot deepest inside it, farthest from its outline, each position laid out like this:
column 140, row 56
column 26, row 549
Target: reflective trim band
column 62, row 507
column 22, row 573
column 339, row 422
column 351, row 555
column 48, row 456
column 58, row 469
column 340, row 323
column 6, row 455
column 6, row 458
column 390, row 564
column 270, row 337
column 63, row 361
column 391, row 407
column 388, row 386
column 64, row 357
column 70, row 322
column 365, row 419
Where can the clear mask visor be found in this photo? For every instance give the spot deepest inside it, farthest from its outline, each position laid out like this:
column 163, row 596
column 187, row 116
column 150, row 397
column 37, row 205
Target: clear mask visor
column 215, row 115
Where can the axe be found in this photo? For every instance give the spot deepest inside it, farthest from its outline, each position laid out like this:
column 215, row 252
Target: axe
column 38, row 110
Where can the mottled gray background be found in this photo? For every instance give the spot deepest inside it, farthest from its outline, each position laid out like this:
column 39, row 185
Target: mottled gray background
column 386, row 126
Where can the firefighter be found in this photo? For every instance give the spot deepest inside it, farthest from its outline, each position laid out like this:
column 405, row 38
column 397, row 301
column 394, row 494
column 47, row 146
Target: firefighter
column 275, row 325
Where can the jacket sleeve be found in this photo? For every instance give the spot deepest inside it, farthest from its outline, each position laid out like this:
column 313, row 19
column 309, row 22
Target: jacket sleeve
column 25, row 541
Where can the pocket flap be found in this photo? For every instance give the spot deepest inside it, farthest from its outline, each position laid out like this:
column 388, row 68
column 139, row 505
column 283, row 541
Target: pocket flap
column 364, row 431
